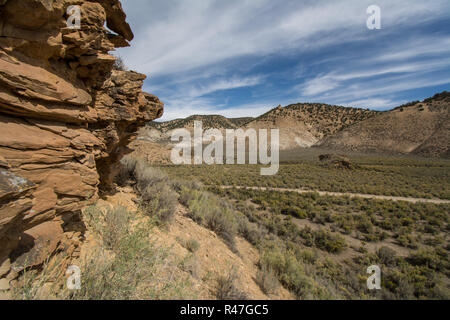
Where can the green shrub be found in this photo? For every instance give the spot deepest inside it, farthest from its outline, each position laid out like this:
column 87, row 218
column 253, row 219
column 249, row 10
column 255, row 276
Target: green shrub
column 221, row 222
column 429, row 258
column 267, row 280
column 289, row 271
column 158, row 200
column 208, row 210
column 148, row 176
column 407, row 240
column 387, row 256
column 226, row 287
column 126, row 265
column 295, row 212
column 137, row 268
column 323, row 240
column 134, row 272
column 252, row 232
column 110, row 223
column 192, row 245
column 126, row 170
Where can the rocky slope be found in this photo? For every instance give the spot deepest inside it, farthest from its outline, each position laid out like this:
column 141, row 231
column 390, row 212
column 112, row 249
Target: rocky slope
column 208, row 121
column 303, row 125
column 420, row 128
column 160, row 132
column 300, row 125
column 66, row 118
column 417, row 128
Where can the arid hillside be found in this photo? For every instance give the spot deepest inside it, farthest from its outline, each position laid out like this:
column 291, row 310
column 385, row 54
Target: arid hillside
column 303, row 125
column 208, row 121
column 421, row 128
column 417, row 128
column 159, row 133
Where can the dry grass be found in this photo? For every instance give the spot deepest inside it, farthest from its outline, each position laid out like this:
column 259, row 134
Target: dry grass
column 267, row 280
column 227, row 289
column 125, row 264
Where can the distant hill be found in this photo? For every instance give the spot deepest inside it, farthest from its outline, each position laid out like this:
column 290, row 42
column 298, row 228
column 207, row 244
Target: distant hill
column 305, row 124
column 208, row 121
column 421, row 128
column 161, row 131
column 239, row 122
column 301, row 125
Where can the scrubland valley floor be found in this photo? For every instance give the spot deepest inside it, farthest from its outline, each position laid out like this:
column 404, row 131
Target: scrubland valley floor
column 152, row 250
column 400, row 222
column 175, row 232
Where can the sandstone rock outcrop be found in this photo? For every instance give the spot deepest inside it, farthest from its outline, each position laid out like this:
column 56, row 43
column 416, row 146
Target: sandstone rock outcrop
column 66, row 117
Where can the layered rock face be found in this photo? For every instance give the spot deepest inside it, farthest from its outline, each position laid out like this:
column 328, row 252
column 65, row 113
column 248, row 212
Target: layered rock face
column 66, row 117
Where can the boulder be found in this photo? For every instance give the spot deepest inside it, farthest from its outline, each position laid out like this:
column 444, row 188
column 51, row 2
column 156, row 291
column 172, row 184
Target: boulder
column 336, row 161
column 4, row 284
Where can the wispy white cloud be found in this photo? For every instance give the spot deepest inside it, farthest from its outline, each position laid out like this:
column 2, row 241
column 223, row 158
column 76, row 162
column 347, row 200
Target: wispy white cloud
column 180, row 108
column 197, row 49
column 417, row 48
column 193, row 97
column 372, row 103
column 341, row 79
column 352, row 94
column 224, row 84
column 320, row 84
column 194, row 34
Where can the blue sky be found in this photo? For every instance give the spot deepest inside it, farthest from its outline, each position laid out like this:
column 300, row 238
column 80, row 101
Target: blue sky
column 243, row 57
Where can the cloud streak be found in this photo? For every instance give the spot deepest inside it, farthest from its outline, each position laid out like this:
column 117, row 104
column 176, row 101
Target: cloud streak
column 224, row 84
column 211, row 55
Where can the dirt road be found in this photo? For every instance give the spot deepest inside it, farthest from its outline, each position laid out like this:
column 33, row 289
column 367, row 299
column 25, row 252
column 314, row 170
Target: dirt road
column 342, row 194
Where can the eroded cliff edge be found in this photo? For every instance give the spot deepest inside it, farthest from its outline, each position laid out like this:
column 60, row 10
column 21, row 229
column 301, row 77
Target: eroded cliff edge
column 66, row 117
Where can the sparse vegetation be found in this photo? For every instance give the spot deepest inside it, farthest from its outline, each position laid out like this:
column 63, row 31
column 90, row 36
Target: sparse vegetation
column 119, row 64
column 226, row 287
column 158, row 198
column 111, row 223
column 300, row 238
column 290, row 229
column 323, row 240
column 267, row 280
column 404, row 177
column 136, row 268
column 127, row 265
column 208, row 210
column 190, row 244
column 316, row 115
column 370, row 220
